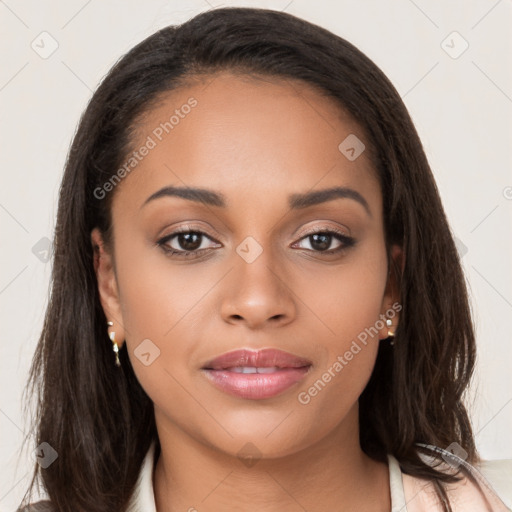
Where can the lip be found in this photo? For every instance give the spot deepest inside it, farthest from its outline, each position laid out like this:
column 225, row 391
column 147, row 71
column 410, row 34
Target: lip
column 264, row 358
column 284, row 370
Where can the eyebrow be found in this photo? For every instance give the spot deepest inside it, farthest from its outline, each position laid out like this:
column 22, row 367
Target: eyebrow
column 295, row 201
column 298, row 201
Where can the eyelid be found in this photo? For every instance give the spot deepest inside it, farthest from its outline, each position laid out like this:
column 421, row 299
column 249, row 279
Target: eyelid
column 187, row 229
column 324, row 229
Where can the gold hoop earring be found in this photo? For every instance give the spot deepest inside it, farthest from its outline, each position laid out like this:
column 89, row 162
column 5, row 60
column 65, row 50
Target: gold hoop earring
column 115, row 347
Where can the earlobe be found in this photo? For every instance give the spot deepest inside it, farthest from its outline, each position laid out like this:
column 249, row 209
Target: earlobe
column 107, row 286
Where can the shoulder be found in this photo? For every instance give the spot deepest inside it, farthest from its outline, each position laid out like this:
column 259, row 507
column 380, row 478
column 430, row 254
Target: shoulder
column 485, row 486
column 142, row 497
column 498, row 474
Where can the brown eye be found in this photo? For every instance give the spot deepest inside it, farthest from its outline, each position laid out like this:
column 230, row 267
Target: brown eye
column 322, row 241
column 185, row 243
column 189, row 241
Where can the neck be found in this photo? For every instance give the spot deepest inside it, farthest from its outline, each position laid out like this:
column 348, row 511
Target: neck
column 333, row 473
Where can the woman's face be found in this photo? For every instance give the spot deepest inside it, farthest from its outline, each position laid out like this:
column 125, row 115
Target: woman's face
column 263, row 273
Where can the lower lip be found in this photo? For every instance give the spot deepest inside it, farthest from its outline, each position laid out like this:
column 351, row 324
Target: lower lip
column 256, row 386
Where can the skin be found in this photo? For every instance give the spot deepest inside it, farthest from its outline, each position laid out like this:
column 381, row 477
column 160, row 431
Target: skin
column 255, row 141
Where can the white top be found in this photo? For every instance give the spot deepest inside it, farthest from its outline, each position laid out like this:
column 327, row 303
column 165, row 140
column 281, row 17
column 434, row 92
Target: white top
column 408, row 494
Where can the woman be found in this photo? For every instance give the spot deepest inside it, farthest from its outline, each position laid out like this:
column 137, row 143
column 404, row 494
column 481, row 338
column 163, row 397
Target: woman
column 257, row 302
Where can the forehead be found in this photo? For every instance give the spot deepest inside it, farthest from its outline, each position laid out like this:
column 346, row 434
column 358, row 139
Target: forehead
column 250, row 138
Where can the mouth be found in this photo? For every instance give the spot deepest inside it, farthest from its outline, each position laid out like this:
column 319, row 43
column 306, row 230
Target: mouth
column 256, row 375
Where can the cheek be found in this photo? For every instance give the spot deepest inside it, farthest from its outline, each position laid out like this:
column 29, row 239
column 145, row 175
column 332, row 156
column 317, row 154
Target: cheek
column 331, row 396
column 348, row 304
column 346, row 300
column 157, row 295
column 163, row 307
column 347, row 362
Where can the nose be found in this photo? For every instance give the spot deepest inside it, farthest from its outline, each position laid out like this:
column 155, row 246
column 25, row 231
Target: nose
column 258, row 294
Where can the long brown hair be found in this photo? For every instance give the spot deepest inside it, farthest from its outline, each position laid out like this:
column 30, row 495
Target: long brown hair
column 101, row 421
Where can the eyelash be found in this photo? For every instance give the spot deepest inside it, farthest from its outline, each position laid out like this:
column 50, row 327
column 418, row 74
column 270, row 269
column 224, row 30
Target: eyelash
column 347, row 242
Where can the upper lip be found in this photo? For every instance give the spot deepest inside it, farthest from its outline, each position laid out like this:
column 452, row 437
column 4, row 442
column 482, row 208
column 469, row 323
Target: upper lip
column 265, row 358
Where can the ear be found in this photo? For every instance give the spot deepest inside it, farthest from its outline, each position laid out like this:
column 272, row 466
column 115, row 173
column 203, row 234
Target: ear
column 391, row 304
column 107, row 286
